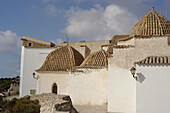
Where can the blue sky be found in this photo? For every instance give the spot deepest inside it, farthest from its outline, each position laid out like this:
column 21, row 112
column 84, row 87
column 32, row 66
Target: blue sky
column 51, row 19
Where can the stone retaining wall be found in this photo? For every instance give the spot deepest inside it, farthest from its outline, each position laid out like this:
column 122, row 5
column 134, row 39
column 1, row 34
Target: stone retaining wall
column 48, row 102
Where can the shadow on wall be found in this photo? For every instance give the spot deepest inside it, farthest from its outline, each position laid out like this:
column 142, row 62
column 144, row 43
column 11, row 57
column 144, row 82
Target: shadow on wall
column 140, row 77
column 87, row 51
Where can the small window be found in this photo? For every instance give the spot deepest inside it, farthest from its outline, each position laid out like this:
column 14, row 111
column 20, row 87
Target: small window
column 32, row 91
column 54, row 88
column 29, row 44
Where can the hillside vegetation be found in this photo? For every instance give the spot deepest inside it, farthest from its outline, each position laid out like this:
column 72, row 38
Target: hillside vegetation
column 23, row 105
column 5, row 83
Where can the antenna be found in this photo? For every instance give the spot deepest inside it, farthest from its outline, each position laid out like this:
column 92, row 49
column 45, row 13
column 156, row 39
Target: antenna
column 67, row 38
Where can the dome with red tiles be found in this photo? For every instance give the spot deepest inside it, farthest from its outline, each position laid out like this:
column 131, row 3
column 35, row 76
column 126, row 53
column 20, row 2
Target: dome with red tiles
column 62, row 59
column 151, row 24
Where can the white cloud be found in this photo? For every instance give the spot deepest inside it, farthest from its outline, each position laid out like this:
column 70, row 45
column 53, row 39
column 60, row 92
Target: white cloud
column 9, row 41
column 51, row 10
column 99, row 23
column 57, row 41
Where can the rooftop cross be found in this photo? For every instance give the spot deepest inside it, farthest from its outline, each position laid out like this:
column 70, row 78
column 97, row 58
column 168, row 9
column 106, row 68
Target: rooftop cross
column 153, row 8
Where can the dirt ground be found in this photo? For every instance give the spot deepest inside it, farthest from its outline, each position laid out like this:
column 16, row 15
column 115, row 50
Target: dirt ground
column 91, row 109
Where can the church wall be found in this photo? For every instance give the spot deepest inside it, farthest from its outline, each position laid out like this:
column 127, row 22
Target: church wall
column 47, row 79
column 153, row 89
column 89, row 88
column 154, row 46
column 121, row 85
column 91, row 46
column 128, row 42
column 31, row 59
column 123, row 60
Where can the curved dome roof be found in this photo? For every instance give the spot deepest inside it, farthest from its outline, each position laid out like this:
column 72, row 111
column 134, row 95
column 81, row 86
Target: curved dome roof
column 62, row 59
column 151, row 24
column 96, row 59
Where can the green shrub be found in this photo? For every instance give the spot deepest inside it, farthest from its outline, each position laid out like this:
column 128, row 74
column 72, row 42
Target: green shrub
column 20, row 106
column 1, row 98
column 26, row 106
column 5, row 85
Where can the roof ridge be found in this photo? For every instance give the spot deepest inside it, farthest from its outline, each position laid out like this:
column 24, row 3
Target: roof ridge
column 36, row 40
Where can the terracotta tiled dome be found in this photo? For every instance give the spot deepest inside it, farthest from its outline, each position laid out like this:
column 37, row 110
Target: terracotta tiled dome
column 62, row 59
column 96, row 59
column 151, row 24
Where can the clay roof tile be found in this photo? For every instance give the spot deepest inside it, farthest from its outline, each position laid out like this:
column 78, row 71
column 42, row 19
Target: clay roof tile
column 62, row 59
column 151, row 24
column 155, row 60
column 96, row 59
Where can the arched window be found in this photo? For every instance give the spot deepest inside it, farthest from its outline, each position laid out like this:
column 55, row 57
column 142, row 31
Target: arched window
column 54, row 88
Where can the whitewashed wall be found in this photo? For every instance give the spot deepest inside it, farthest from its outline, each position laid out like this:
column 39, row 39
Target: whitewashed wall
column 153, row 89
column 121, row 83
column 121, row 91
column 47, row 79
column 31, row 59
column 89, row 88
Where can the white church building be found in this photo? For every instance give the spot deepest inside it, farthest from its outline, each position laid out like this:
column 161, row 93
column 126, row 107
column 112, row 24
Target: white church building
column 129, row 73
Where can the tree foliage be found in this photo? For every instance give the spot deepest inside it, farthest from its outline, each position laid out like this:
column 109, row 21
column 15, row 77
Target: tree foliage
column 5, row 83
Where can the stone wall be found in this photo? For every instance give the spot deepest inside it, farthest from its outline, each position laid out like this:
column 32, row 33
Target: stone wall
column 13, row 90
column 48, row 102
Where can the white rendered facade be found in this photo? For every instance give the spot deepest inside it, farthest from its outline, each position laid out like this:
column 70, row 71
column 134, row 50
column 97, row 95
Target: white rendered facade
column 85, row 88
column 122, row 87
column 31, row 59
column 153, row 89
column 115, row 85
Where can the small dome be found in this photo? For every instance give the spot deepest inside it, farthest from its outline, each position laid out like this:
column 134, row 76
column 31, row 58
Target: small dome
column 96, row 59
column 151, row 24
column 62, row 59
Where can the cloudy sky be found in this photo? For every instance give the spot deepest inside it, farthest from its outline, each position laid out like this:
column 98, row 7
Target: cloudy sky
column 51, row 19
